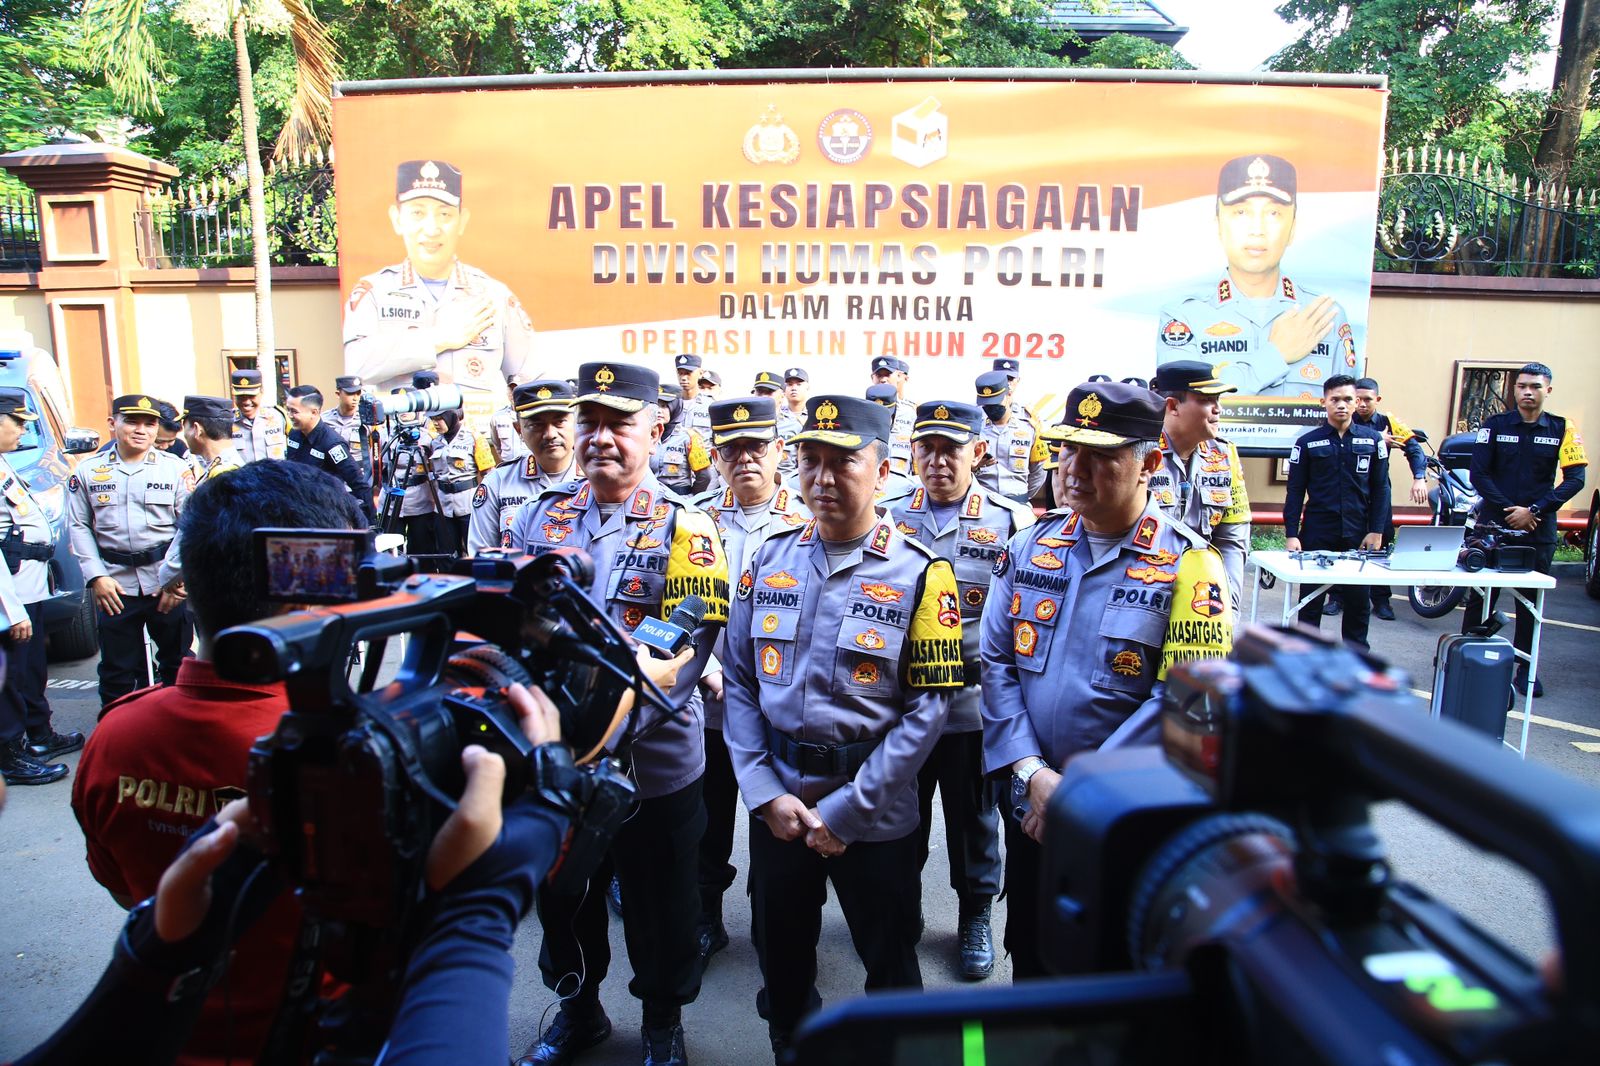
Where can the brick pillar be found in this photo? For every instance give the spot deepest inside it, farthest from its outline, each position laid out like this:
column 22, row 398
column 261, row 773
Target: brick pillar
column 89, row 198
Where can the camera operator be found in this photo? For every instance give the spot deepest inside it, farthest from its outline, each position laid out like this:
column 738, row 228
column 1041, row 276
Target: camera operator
column 482, row 869
column 544, row 418
column 459, row 458
column 163, row 761
column 1514, row 464
column 844, row 646
column 651, row 550
column 1073, row 629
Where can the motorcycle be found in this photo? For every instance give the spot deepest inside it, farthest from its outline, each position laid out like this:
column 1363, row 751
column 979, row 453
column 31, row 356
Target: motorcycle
column 1454, row 502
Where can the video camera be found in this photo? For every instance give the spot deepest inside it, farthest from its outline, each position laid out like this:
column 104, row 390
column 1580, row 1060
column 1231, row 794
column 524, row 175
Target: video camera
column 355, row 782
column 403, row 403
column 1494, row 547
column 1229, row 902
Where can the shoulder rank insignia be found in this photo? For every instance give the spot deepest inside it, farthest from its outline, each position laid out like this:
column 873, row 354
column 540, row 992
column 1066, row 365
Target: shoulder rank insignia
column 1145, row 535
column 880, row 539
column 975, row 505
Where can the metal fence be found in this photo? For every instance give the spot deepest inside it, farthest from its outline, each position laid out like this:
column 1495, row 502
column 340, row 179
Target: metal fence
column 1445, row 214
column 19, row 232
column 208, row 223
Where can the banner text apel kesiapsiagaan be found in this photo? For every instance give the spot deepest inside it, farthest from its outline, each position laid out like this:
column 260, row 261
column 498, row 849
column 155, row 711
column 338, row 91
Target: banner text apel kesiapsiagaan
column 771, row 220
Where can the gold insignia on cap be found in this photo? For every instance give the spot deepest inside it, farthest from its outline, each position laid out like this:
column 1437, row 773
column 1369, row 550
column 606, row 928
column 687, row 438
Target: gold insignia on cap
column 543, row 394
column 827, row 415
column 145, row 404
column 429, row 170
column 1089, row 408
column 604, row 378
column 1258, row 175
column 741, row 414
column 941, row 411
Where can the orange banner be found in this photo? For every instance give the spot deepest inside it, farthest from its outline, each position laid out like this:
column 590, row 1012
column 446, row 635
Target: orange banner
column 1070, row 225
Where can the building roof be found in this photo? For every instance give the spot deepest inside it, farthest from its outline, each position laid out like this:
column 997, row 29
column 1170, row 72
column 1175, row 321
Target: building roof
column 1139, row 18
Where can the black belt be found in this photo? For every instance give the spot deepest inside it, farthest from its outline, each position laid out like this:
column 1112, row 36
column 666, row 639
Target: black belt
column 416, row 481
column 460, row 484
column 18, row 551
column 824, row 760
column 144, row 558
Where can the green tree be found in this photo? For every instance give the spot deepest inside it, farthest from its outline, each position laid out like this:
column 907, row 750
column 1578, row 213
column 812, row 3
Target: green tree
column 47, row 86
column 118, row 41
column 1445, row 59
column 1123, row 51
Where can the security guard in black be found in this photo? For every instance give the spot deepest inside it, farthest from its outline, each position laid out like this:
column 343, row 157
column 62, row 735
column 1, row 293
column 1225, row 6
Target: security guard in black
column 1338, row 495
column 318, row 444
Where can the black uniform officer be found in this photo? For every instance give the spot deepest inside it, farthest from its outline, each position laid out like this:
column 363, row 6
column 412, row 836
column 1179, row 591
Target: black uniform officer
column 1339, row 477
column 318, row 444
column 1395, row 434
column 1514, row 464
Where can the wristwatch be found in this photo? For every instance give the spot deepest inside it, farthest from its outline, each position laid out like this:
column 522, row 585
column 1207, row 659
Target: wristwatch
column 1019, row 785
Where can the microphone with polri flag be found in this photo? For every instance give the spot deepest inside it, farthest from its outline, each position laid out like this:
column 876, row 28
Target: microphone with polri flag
column 666, row 640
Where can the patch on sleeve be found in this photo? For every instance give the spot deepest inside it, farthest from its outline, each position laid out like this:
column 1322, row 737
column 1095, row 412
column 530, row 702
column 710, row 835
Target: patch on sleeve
column 697, row 566
column 1572, row 453
column 338, row 453
column 1002, row 563
column 73, row 484
column 480, row 496
column 935, row 634
column 1483, row 436
column 356, row 294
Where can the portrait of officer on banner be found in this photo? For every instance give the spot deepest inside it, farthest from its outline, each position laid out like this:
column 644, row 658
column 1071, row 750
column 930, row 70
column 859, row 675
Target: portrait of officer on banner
column 432, row 311
column 1261, row 332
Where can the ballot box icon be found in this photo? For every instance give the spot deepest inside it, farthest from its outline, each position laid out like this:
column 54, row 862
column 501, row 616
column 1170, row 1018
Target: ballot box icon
column 921, row 135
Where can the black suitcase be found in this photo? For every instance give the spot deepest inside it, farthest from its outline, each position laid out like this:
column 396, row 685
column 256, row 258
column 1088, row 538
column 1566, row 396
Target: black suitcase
column 1472, row 681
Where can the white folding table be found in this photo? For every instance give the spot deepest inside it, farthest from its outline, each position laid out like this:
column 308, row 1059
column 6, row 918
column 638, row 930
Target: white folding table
column 1304, row 571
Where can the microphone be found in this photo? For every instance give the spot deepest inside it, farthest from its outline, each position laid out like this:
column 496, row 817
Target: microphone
column 667, row 639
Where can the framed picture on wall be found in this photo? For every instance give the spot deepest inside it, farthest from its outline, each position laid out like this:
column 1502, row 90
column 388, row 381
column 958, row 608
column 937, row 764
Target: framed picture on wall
column 245, row 359
column 1482, row 388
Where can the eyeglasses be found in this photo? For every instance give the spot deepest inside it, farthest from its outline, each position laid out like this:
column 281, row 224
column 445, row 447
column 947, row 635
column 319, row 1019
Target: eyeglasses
column 730, row 453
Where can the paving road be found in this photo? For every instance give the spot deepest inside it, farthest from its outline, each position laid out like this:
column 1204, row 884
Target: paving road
column 57, row 924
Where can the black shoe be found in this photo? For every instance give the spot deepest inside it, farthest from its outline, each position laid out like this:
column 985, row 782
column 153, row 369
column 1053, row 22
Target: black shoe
column 781, row 1039
column 614, row 897
column 977, row 945
column 711, row 938
column 566, row 1038
column 664, row 1046
column 52, row 744
column 1331, row 606
column 20, row 768
column 1521, row 685
column 1383, row 611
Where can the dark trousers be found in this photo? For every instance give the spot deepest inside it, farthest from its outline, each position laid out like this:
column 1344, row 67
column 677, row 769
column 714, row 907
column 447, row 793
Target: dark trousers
column 1544, row 556
column 1357, row 608
column 1022, row 903
column 971, row 818
column 122, row 661
column 879, row 891
column 716, row 873
column 23, row 707
column 654, row 858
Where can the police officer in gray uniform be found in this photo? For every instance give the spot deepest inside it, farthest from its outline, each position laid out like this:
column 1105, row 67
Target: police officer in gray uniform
column 122, row 509
column 651, row 550
column 898, row 483
column 258, row 432
column 844, row 646
column 1074, row 627
column 27, row 741
column 696, row 414
column 344, row 418
column 887, row 370
column 968, row 525
column 1200, row 481
column 681, row 460
column 1259, row 331
column 771, row 386
column 1012, row 369
column 1013, row 463
column 505, row 437
column 317, row 444
column 544, row 418
column 457, row 458
column 747, row 510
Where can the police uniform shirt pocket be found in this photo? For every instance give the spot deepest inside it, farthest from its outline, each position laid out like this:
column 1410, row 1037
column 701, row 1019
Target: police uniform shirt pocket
column 1034, row 615
column 637, row 586
column 1131, row 631
column 868, row 656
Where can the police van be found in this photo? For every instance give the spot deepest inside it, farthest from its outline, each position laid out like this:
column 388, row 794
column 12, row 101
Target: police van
column 44, row 460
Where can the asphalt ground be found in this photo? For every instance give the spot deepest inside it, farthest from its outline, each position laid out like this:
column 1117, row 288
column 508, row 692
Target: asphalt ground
column 57, row 924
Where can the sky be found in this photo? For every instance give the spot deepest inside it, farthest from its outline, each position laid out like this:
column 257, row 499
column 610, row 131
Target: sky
column 1238, row 35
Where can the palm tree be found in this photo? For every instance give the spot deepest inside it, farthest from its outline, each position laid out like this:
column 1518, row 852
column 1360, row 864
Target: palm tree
column 119, row 43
